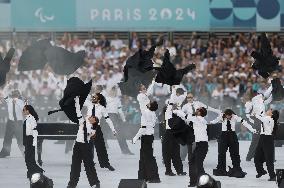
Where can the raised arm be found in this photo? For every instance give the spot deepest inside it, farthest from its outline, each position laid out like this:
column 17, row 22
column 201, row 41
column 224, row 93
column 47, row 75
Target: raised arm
column 268, row 100
column 150, row 88
column 267, row 93
column 248, row 109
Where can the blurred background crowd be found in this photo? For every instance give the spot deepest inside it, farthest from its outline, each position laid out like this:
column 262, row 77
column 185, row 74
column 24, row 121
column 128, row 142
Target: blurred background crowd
column 222, row 77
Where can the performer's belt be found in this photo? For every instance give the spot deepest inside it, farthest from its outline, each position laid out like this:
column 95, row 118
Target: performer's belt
column 143, row 126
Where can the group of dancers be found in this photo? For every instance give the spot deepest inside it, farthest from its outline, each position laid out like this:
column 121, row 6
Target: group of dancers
column 185, row 123
column 193, row 114
column 180, row 104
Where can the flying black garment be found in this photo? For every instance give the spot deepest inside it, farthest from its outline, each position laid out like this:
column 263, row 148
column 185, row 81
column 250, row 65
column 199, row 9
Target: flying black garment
column 265, row 62
column 167, row 73
column 141, row 61
column 5, row 65
column 136, row 78
column 33, row 58
column 64, row 62
column 277, row 90
column 181, row 131
column 75, row 87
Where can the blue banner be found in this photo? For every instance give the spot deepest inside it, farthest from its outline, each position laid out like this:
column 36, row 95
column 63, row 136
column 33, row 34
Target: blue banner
column 43, row 15
column 166, row 15
column 137, row 15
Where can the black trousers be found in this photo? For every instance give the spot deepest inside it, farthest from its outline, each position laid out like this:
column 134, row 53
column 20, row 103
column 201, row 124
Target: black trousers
column 252, row 147
column 255, row 139
column 13, row 128
column 82, row 152
column 196, row 161
column 121, row 138
column 148, row 169
column 171, row 152
column 186, row 150
column 100, row 146
column 30, row 158
column 265, row 153
column 228, row 139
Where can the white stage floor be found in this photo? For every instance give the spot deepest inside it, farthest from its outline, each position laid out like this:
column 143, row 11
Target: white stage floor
column 57, row 166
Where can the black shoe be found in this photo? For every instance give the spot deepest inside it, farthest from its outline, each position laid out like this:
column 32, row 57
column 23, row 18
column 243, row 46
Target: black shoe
column 272, row 178
column 4, row 154
column 170, row 173
column 110, row 168
column 182, row 174
column 191, row 184
column 154, row 181
column 261, row 174
column 220, row 172
column 236, row 172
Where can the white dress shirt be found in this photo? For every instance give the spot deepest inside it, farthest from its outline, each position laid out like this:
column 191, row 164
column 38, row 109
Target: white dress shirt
column 114, row 106
column 267, row 124
column 31, row 125
column 256, row 106
column 99, row 113
column 235, row 119
column 199, row 128
column 80, row 133
column 148, row 121
column 177, row 99
column 143, row 98
column 19, row 105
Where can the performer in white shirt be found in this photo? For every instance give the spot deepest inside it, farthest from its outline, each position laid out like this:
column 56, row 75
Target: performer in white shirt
column 30, row 140
column 148, row 169
column 199, row 125
column 82, row 151
column 114, row 109
column 98, row 109
column 189, row 109
column 143, row 96
column 256, row 106
column 265, row 147
column 170, row 146
column 15, row 105
column 229, row 139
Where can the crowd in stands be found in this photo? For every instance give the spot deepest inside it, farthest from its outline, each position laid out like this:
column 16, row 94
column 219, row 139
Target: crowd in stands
column 222, row 77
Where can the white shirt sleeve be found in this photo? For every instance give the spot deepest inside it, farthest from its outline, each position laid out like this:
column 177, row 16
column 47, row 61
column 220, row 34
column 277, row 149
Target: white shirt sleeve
column 248, row 126
column 268, row 101
column 217, row 120
column 267, row 93
column 108, row 120
column 150, row 88
column 140, row 132
column 168, row 113
column 180, row 113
